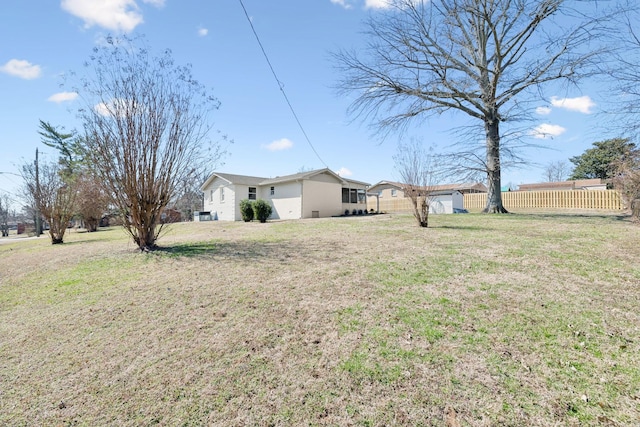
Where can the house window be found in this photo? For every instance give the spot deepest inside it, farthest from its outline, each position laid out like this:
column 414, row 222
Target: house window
column 345, row 195
column 252, row 193
column 211, row 195
column 361, row 197
column 354, row 195
column 394, row 192
column 273, row 191
column 222, row 194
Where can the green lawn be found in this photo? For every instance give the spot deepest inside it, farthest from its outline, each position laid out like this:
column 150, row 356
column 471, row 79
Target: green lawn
column 512, row 320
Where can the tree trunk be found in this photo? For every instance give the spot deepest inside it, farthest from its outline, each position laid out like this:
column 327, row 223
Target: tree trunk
column 635, row 208
column 494, row 195
column 91, row 224
column 420, row 209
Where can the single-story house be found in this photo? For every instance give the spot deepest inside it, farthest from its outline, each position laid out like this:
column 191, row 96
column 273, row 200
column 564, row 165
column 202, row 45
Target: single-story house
column 578, row 184
column 313, row 194
column 388, row 196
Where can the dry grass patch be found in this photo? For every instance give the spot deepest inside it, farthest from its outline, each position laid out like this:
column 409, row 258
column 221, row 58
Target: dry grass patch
column 371, row 321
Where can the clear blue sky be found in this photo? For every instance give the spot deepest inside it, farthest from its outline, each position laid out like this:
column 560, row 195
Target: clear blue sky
column 45, row 39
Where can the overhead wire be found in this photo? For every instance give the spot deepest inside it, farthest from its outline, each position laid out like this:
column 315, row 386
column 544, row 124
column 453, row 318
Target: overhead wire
column 280, row 84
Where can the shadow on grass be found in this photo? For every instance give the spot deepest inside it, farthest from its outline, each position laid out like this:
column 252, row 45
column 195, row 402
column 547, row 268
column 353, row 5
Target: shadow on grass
column 462, row 227
column 564, row 215
column 247, row 250
column 190, row 250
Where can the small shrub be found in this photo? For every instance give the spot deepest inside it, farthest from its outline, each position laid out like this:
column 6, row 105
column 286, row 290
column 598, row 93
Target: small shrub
column 246, row 210
column 262, row 210
column 346, row 212
column 359, row 211
column 355, row 212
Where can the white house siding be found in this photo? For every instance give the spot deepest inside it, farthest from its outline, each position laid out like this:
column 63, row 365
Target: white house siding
column 212, row 197
column 286, row 200
column 324, row 177
column 322, row 196
column 234, row 196
column 302, row 195
column 226, row 210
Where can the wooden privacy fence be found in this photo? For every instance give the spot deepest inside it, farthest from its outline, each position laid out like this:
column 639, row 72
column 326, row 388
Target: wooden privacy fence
column 395, row 204
column 559, row 199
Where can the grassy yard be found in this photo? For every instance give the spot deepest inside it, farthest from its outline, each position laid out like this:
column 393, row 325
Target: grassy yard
column 514, row 320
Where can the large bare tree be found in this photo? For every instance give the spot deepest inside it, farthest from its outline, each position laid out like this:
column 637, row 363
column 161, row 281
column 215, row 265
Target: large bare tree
column 146, row 122
column 483, row 58
column 623, row 68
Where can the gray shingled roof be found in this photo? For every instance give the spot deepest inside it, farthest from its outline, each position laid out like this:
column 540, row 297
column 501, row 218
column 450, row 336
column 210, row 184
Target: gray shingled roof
column 255, row 180
column 241, row 179
column 293, row 177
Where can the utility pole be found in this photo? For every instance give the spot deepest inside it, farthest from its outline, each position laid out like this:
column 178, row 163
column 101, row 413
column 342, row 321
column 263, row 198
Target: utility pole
column 38, row 224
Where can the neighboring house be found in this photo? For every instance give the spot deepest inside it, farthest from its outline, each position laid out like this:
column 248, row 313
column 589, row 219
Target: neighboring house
column 444, row 198
column 580, row 184
column 314, row 194
column 170, row 215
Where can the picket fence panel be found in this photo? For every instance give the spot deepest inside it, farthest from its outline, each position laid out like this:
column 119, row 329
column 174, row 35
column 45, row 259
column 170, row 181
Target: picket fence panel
column 396, row 204
column 556, row 199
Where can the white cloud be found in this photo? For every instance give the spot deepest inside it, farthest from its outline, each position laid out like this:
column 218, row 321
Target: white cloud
column 279, row 145
column 543, row 111
column 344, row 172
column 342, row 3
column 62, row 97
column 377, row 4
column 203, row 32
column 547, row 131
column 115, row 108
column 581, row 104
column 115, row 15
column 103, row 109
column 21, row 68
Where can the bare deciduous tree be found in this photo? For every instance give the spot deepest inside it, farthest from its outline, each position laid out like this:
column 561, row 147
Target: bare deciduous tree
column 624, row 70
column 4, row 214
column 479, row 57
column 92, row 200
column 54, row 193
column 557, row 171
column 415, row 165
column 146, row 124
column 626, row 179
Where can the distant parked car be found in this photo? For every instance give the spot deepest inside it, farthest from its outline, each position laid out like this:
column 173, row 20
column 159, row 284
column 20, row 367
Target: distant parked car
column 458, row 210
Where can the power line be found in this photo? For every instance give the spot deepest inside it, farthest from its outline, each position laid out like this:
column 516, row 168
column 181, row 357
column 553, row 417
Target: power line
column 280, row 84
